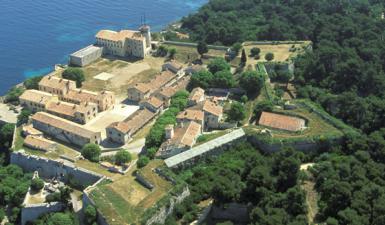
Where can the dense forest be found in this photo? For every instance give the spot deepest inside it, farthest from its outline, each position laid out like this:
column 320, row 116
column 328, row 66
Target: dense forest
column 270, row 185
column 345, row 70
column 344, row 73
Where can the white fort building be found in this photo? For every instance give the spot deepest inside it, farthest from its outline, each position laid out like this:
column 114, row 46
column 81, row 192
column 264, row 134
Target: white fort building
column 124, row 43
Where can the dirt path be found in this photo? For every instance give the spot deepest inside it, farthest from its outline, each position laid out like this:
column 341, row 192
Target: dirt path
column 311, row 194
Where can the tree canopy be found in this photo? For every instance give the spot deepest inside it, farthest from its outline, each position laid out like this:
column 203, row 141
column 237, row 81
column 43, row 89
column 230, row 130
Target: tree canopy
column 75, row 74
column 91, row 152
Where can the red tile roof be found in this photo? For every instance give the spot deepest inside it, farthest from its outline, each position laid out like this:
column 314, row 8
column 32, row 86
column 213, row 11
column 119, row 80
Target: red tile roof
column 281, row 122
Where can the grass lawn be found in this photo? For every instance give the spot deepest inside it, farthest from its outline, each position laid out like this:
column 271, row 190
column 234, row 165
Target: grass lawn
column 186, row 54
column 95, row 167
column 208, row 137
column 281, row 51
column 124, row 200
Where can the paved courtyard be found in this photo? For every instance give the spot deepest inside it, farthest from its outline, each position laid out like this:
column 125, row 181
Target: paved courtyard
column 119, row 113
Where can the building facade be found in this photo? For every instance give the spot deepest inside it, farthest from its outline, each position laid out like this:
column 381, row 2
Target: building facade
column 35, row 100
column 56, row 86
column 125, row 42
column 85, row 56
column 64, row 130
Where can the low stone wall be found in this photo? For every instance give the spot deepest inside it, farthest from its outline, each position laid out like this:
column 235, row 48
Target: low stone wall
column 32, row 212
column 161, row 215
column 300, row 145
column 190, row 44
column 88, row 201
column 271, row 42
column 49, row 168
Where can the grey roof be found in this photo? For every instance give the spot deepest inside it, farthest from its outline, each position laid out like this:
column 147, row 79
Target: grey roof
column 204, row 148
column 86, row 51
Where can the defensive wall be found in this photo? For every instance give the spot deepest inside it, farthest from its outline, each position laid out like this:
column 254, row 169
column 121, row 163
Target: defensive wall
column 49, row 168
column 161, row 213
column 190, row 44
column 32, row 211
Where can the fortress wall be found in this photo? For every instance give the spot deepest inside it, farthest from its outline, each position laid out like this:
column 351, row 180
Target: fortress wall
column 161, row 215
column 49, row 168
column 32, row 212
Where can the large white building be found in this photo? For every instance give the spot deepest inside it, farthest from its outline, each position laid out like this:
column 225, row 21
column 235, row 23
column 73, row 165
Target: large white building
column 125, row 42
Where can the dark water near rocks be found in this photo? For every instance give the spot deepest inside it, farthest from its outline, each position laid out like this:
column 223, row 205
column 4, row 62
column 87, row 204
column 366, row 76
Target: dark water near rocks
column 36, row 34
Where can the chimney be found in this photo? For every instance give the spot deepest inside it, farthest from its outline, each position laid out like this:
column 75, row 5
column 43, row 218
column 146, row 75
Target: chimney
column 169, row 131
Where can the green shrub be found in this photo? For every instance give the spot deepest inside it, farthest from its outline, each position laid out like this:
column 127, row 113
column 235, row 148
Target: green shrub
column 91, row 152
column 37, row 184
column 122, row 157
column 13, row 95
column 32, row 82
column 142, row 161
column 269, row 56
column 74, row 74
column 90, row 214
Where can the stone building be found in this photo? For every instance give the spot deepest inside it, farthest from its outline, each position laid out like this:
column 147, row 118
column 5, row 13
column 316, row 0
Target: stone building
column 104, row 99
column 191, row 115
column 174, row 67
column 141, row 91
column 125, row 42
column 196, row 96
column 121, row 132
column 35, row 100
column 281, row 122
column 64, row 130
column 153, row 104
column 138, row 92
column 179, row 139
column 39, row 143
column 85, row 56
column 55, row 85
column 213, row 114
column 81, row 113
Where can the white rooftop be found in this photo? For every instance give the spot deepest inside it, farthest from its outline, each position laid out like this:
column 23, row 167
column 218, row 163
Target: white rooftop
column 85, row 51
column 204, row 148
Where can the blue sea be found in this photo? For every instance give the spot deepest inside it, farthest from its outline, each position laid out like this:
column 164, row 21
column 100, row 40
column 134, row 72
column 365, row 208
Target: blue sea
column 36, row 34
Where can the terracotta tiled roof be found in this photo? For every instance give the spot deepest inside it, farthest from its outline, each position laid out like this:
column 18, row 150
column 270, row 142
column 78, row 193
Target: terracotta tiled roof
column 281, row 122
column 161, row 80
column 155, row 102
column 118, row 36
column 82, row 95
column 191, row 114
column 68, row 109
column 55, row 82
column 38, row 142
column 29, row 130
column 197, row 94
column 185, row 135
column 134, row 122
column 36, row 96
column 142, row 87
column 63, row 124
column 212, row 108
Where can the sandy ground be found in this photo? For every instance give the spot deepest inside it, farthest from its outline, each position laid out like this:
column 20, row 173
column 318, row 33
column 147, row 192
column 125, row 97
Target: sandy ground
column 125, row 74
column 104, row 76
column 119, row 113
column 8, row 115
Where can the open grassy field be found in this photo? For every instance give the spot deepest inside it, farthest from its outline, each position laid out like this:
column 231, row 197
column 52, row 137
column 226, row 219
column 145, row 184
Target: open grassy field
column 281, row 51
column 124, row 200
column 187, row 54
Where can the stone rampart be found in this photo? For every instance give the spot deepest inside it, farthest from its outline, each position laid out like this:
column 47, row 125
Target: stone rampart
column 49, row 168
column 33, row 211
